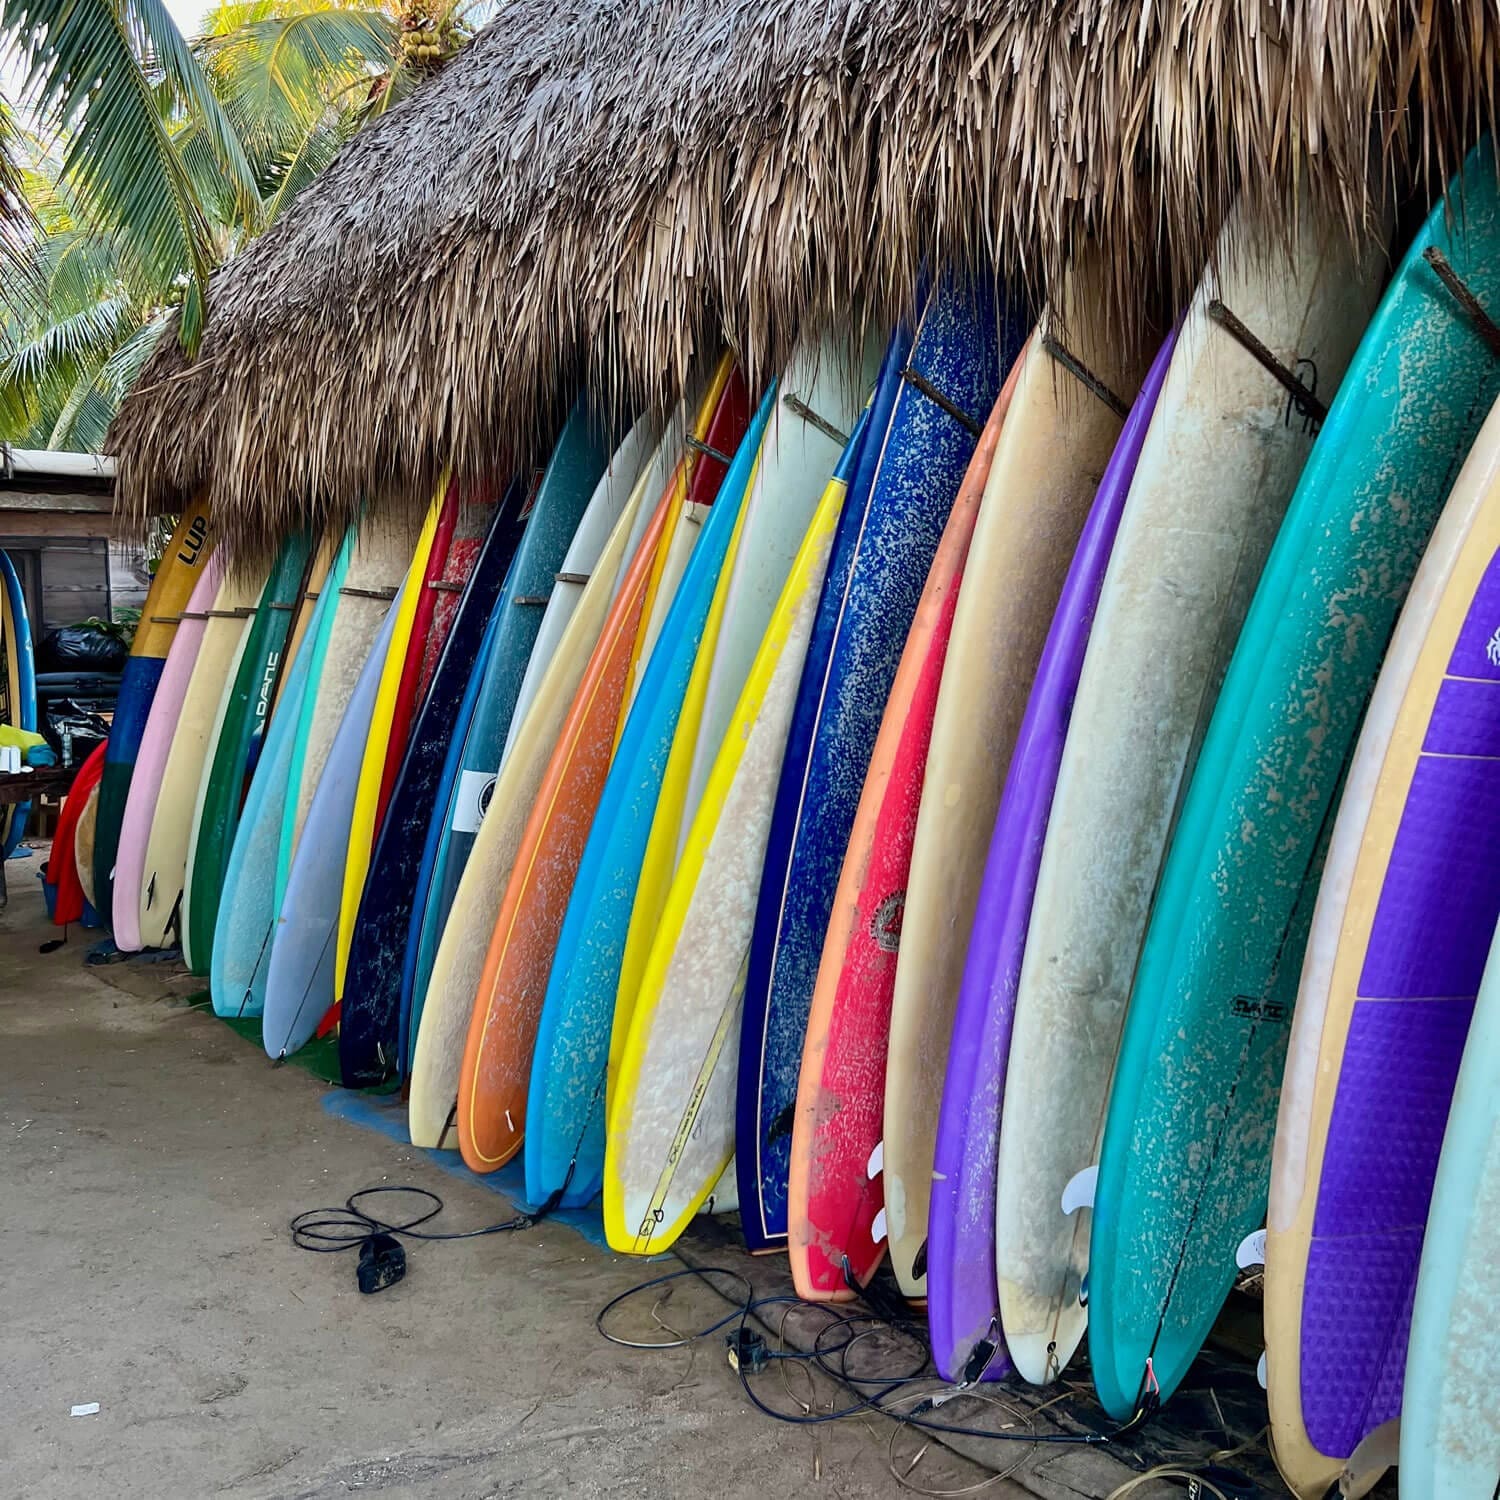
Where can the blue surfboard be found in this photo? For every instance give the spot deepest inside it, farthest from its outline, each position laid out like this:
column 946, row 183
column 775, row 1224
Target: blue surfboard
column 25, row 710
column 933, row 397
column 247, row 903
column 299, row 983
column 574, row 470
column 565, row 1106
column 369, row 1023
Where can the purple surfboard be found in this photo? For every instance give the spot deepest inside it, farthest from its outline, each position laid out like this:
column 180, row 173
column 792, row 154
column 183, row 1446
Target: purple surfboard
column 962, row 1308
column 1422, row 968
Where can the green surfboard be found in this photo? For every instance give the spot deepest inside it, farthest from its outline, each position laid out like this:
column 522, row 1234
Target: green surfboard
column 1185, row 1164
column 241, row 729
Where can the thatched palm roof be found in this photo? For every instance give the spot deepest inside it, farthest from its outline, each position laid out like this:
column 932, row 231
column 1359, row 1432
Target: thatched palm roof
column 601, row 187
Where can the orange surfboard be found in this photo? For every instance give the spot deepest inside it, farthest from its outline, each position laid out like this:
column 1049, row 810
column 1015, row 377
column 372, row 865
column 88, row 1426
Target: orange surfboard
column 834, row 1199
column 502, row 1031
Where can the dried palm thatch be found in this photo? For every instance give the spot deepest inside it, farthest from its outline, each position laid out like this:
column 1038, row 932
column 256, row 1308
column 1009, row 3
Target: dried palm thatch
column 598, row 188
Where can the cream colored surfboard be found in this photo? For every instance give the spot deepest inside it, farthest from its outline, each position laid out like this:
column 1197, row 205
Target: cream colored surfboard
column 381, row 556
column 1402, row 726
column 438, row 1055
column 1053, row 448
column 83, row 844
column 164, row 872
column 1217, row 469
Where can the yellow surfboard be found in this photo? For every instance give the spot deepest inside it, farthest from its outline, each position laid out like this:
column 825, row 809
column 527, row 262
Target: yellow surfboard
column 671, row 1118
column 660, row 859
column 378, row 745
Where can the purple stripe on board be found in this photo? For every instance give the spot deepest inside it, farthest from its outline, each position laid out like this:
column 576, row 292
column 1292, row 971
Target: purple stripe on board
column 1438, row 905
column 1478, row 651
column 1465, row 719
column 1354, row 1355
column 1395, row 1084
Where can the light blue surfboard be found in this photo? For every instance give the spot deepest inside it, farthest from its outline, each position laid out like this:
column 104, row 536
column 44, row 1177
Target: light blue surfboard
column 299, row 981
column 565, row 1105
column 247, row 904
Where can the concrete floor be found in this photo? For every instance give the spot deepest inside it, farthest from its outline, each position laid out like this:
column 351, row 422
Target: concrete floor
column 149, row 1162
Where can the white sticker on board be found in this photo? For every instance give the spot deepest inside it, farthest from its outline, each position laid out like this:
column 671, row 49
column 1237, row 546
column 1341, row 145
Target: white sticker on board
column 878, row 1228
column 1260, row 1369
column 876, row 1164
column 475, row 788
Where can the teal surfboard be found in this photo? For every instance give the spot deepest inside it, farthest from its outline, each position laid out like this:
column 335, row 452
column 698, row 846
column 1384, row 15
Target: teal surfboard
column 1185, row 1164
column 565, row 1105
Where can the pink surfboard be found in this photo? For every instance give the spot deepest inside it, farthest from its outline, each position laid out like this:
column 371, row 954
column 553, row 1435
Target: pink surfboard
column 835, row 1199
column 151, row 759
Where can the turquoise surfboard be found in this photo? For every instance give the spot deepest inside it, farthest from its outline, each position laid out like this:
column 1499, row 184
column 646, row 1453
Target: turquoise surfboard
column 1185, row 1165
column 565, row 1106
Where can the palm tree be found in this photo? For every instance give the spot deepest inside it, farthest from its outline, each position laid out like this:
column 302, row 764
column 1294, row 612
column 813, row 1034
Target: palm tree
column 150, row 160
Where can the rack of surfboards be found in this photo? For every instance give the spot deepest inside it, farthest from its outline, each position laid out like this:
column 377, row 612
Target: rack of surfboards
column 982, row 802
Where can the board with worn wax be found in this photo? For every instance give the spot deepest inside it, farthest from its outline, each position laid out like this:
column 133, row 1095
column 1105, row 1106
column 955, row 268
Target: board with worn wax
column 1185, row 1164
column 913, row 460
column 370, row 1017
column 835, row 1208
column 564, row 1147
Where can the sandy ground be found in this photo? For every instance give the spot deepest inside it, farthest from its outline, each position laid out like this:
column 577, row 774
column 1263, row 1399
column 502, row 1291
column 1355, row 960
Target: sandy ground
column 149, row 1162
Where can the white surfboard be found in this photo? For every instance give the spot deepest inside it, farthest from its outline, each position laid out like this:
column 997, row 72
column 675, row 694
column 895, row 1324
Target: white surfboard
column 1217, row 469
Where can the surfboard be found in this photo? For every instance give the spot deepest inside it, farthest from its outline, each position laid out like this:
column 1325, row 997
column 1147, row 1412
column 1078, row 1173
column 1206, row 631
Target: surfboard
column 835, row 1212
column 164, row 870
column 615, row 490
column 473, row 1054
column 447, row 573
column 1185, row 1165
column 377, row 553
column 19, row 708
column 574, row 470
column 670, row 1139
column 722, row 417
column 1450, row 1427
column 299, row 980
column 153, row 747
column 1410, row 897
column 455, row 993
column 1068, row 414
column 962, row 1311
column 369, row 1020
column 382, row 740
column 821, row 396
column 182, row 926
column 176, row 574
column 909, row 472
column 1214, row 477
column 564, row 1146
column 240, row 733
column 249, row 902
column 317, row 578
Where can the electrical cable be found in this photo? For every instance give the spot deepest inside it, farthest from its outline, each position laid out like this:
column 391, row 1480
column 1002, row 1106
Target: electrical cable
column 382, row 1260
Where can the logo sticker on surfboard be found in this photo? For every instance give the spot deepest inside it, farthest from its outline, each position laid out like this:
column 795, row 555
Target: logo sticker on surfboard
column 475, row 788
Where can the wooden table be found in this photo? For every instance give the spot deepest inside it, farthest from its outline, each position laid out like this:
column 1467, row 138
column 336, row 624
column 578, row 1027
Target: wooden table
column 27, row 786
